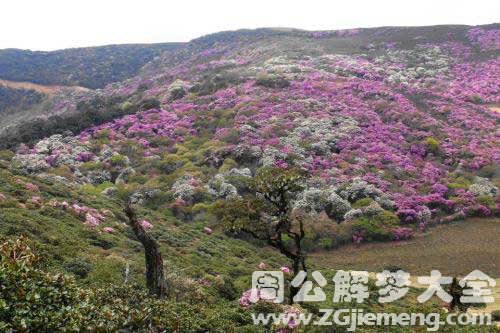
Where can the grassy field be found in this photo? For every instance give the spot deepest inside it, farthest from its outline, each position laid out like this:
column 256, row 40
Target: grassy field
column 454, row 249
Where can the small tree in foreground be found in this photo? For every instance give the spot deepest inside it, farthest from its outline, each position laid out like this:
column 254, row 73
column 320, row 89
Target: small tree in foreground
column 266, row 214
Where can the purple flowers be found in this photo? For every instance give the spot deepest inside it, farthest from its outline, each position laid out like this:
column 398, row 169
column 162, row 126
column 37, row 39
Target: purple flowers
column 31, row 187
column 108, row 230
column 486, row 39
column 408, row 121
column 401, row 233
column 146, row 224
column 85, row 157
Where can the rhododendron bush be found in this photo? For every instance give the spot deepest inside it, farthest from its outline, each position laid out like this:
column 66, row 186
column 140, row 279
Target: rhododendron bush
column 403, row 134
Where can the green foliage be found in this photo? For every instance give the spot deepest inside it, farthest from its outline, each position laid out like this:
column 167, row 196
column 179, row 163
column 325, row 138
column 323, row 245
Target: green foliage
column 118, row 160
column 432, row 144
column 362, row 203
column 378, row 227
column 32, row 300
column 18, row 99
column 80, row 268
column 6, row 155
column 272, row 81
column 495, row 315
column 127, row 106
column 486, row 200
column 228, row 165
column 272, row 181
column 91, row 67
column 489, row 171
column 170, row 163
column 93, row 112
column 459, row 182
column 210, row 83
column 325, row 243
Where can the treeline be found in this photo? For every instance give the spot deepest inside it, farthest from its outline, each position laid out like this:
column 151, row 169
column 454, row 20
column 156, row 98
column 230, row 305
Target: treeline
column 15, row 99
column 88, row 114
column 91, row 67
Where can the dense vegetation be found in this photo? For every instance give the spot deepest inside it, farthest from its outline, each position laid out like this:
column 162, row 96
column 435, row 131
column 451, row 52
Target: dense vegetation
column 18, row 99
column 245, row 150
column 91, row 67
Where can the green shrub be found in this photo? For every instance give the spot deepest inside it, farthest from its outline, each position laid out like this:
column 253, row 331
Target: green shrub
column 325, row 243
column 486, row 200
column 79, row 267
column 362, row 203
column 170, row 163
column 489, row 171
column 118, row 161
column 6, row 155
column 378, row 227
column 127, row 106
column 432, row 144
column 272, row 81
column 32, row 300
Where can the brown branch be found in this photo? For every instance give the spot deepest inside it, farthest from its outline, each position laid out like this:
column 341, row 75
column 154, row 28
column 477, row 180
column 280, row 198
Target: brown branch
column 155, row 276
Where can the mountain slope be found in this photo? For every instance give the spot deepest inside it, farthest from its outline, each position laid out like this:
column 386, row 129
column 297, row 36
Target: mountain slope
column 91, row 67
column 402, row 124
column 55, row 76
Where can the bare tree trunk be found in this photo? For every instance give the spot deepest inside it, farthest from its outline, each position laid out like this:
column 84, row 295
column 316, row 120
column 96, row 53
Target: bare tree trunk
column 155, row 276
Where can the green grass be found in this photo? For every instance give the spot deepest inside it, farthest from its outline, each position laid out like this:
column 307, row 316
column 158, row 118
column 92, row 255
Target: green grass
column 454, row 249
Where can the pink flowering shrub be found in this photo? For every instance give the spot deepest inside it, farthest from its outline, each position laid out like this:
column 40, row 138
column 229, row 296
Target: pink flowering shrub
column 402, row 233
column 486, row 39
column 285, row 270
column 108, row 230
column 409, row 121
column 146, row 224
column 36, row 200
column 31, row 187
column 92, row 216
column 84, row 157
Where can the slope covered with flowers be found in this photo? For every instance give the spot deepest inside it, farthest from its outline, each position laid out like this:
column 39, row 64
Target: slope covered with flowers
column 394, row 125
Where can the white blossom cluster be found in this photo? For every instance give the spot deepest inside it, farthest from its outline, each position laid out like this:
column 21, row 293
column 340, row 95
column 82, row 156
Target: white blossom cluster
column 184, row 188
column 482, row 186
column 63, row 150
column 220, row 186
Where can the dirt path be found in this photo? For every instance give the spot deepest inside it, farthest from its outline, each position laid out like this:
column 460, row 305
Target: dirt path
column 49, row 89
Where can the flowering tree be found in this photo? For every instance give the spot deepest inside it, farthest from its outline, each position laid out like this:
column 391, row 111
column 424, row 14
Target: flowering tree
column 266, row 213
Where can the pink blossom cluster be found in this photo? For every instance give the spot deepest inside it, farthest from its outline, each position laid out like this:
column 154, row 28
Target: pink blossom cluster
column 93, row 217
column 402, row 233
column 486, row 39
column 141, row 125
column 146, row 224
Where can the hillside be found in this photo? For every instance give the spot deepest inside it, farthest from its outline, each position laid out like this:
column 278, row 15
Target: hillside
column 90, row 67
column 389, row 133
column 33, row 83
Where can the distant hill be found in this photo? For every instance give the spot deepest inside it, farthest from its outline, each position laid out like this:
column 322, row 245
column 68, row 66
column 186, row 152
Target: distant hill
column 91, row 67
